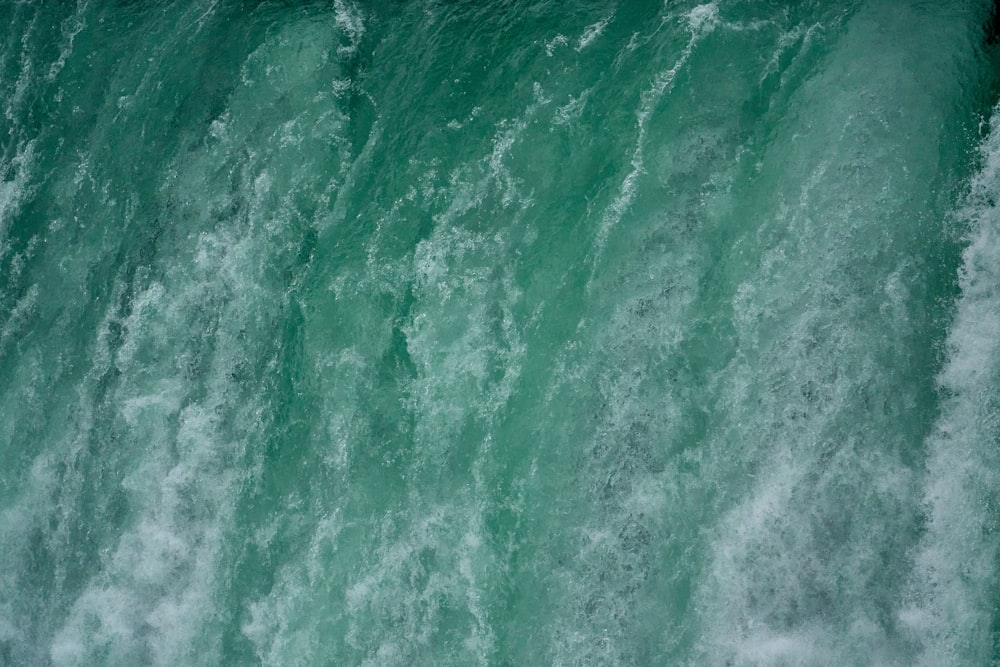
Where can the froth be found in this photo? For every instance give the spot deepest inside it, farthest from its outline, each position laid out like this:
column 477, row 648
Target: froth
column 952, row 589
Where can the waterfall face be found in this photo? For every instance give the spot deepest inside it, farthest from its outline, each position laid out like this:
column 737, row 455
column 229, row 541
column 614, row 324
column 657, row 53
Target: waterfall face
column 512, row 333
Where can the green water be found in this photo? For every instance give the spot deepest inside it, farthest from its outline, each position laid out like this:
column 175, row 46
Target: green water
column 499, row 333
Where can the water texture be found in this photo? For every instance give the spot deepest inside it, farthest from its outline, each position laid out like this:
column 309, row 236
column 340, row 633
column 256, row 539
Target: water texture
column 499, row 333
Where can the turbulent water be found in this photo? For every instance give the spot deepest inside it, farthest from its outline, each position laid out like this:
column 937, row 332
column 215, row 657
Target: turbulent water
column 499, row 333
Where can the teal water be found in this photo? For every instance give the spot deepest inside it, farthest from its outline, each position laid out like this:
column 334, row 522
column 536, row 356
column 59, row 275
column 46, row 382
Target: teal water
column 507, row 333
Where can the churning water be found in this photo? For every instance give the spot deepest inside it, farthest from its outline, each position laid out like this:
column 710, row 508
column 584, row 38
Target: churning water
column 499, row 333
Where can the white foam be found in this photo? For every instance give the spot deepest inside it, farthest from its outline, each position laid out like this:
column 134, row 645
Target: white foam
column 703, row 18
column 156, row 586
column 550, row 45
column 700, row 22
column 453, row 338
column 14, row 192
column 952, row 589
column 592, row 32
column 20, row 316
column 572, row 110
column 799, row 36
column 349, row 19
column 137, row 325
column 416, row 564
column 14, row 103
